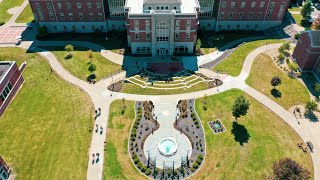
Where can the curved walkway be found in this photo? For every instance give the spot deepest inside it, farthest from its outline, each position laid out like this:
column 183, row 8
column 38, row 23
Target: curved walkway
column 102, row 98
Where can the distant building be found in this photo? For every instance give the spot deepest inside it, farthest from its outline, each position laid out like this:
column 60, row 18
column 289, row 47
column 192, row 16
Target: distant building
column 104, row 15
column 307, row 52
column 10, row 81
column 4, row 170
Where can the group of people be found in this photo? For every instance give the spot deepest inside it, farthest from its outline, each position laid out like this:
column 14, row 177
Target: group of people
column 98, row 113
column 97, row 129
column 94, row 159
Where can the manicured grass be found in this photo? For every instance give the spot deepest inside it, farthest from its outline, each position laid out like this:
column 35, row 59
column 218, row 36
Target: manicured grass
column 294, row 9
column 300, row 21
column 44, row 132
column 26, row 15
column 135, row 89
column 227, row 38
column 233, row 64
column 8, row 4
column 269, row 139
column 263, row 69
column 79, row 63
column 117, row 164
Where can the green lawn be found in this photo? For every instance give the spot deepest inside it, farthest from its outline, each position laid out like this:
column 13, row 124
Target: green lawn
column 294, row 9
column 8, row 4
column 26, row 15
column 233, row 64
column 79, row 63
column 292, row 91
column 218, row 43
column 268, row 139
column 117, row 164
column 44, row 132
column 135, row 89
column 300, row 21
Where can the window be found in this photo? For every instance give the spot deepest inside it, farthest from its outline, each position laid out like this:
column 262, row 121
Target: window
column 187, row 35
column 167, row 7
column 55, row 28
column 148, row 36
column 100, row 16
column 224, row 4
column 49, row 6
column 143, row 50
column 221, row 15
column 81, row 16
column 231, row 15
column 181, row 49
column 177, row 36
column 149, row 8
column 89, row 5
column 233, row 4
column 157, row 7
column 177, row 24
column 253, row 4
column 59, row 5
column 93, row 28
column 250, row 15
column 247, row 26
column 91, row 16
column 61, row 16
column 238, row 26
column 68, row 5
column 137, row 36
column 256, row 26
column 98, row 5
column 262, row 4
column 189, row 24
column 162, row 38
column 136, row 24
column 162, row 7
column 228, row 27
column 5, row 92
column 83, row 27
column 38, row 6
column 147, row 25
column 259, row 15
column 174, row 7
column 79, row 5
column 73, row 28
column 240, row 15
column 71, row 16
column 281, row 9
column 243, row 4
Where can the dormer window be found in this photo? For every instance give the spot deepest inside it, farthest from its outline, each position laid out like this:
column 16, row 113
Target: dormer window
column 158, row 8
column 149, row 8
column 162, row 7
column 167, row 7
column 174, row 7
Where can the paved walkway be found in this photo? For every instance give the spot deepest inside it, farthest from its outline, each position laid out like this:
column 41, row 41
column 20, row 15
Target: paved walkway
column 102, row 98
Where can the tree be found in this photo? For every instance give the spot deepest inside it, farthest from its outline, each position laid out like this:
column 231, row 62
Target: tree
column 275, row 81
column 240, row 107
column 316, row 23
column 293, row 66
column 92, row 68
column 281, row 57
column 306, row 9
column 90, row 54
column 198, row 44
column 69, row 48
column 311, row 106
column 289, row 169
column 286, row 46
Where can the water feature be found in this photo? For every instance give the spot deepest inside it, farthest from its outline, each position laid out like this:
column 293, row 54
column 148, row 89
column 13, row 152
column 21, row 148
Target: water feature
column 168, row 146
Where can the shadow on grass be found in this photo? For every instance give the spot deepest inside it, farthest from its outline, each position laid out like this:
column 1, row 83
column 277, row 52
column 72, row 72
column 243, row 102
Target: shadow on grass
column 69, row 56
column 276, row 93
column 311, row 116
column 240, row 133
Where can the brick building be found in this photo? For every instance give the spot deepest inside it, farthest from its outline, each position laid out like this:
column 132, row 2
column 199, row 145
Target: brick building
column 183, row 18
column 10, row 81
column 307, row 52
column 4, row 170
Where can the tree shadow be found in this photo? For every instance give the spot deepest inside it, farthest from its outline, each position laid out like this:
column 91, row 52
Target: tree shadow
column 311, row 116
column 240, row 133
column 276, row 93
column 69, row 56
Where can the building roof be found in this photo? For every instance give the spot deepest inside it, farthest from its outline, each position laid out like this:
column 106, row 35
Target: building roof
column 5, row 166
column 162, row 1
column 4, row 68
column 315, row 37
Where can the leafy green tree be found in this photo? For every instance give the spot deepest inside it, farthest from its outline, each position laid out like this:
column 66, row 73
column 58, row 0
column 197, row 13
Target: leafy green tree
column 275, row 81
column 92, row 68
column 293, row 66
column 306, row 9
column 69, row 48
column 240, row 107
column 311, row 106
column 198, row 44
column 281, row 57
column 289, row 169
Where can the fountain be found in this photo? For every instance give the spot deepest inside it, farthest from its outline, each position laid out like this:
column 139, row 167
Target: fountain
column 168, row 146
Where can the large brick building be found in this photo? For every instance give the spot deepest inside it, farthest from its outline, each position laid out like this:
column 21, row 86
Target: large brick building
column 4, row 170
column 158, row 26
column 307, row 52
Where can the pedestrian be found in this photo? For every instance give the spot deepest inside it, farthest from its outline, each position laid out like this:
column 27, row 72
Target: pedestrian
column 101, row 130
column 97, row 128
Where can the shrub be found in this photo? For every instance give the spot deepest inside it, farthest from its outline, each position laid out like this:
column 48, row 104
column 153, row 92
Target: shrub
column 195, row 165
column 135, row 126
column 136, row 160
column 205, row 108
column 193, row 115
column 197, row 125
column 194, row 118
column 143, row 168
column 200, row 156
column 132, row 138
column 198, row 161
column 192, row 169
column 289, row 169
column 140, row 165
column 196, row 122
column 281, row 57
column 148, row 172
column 293, row 66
